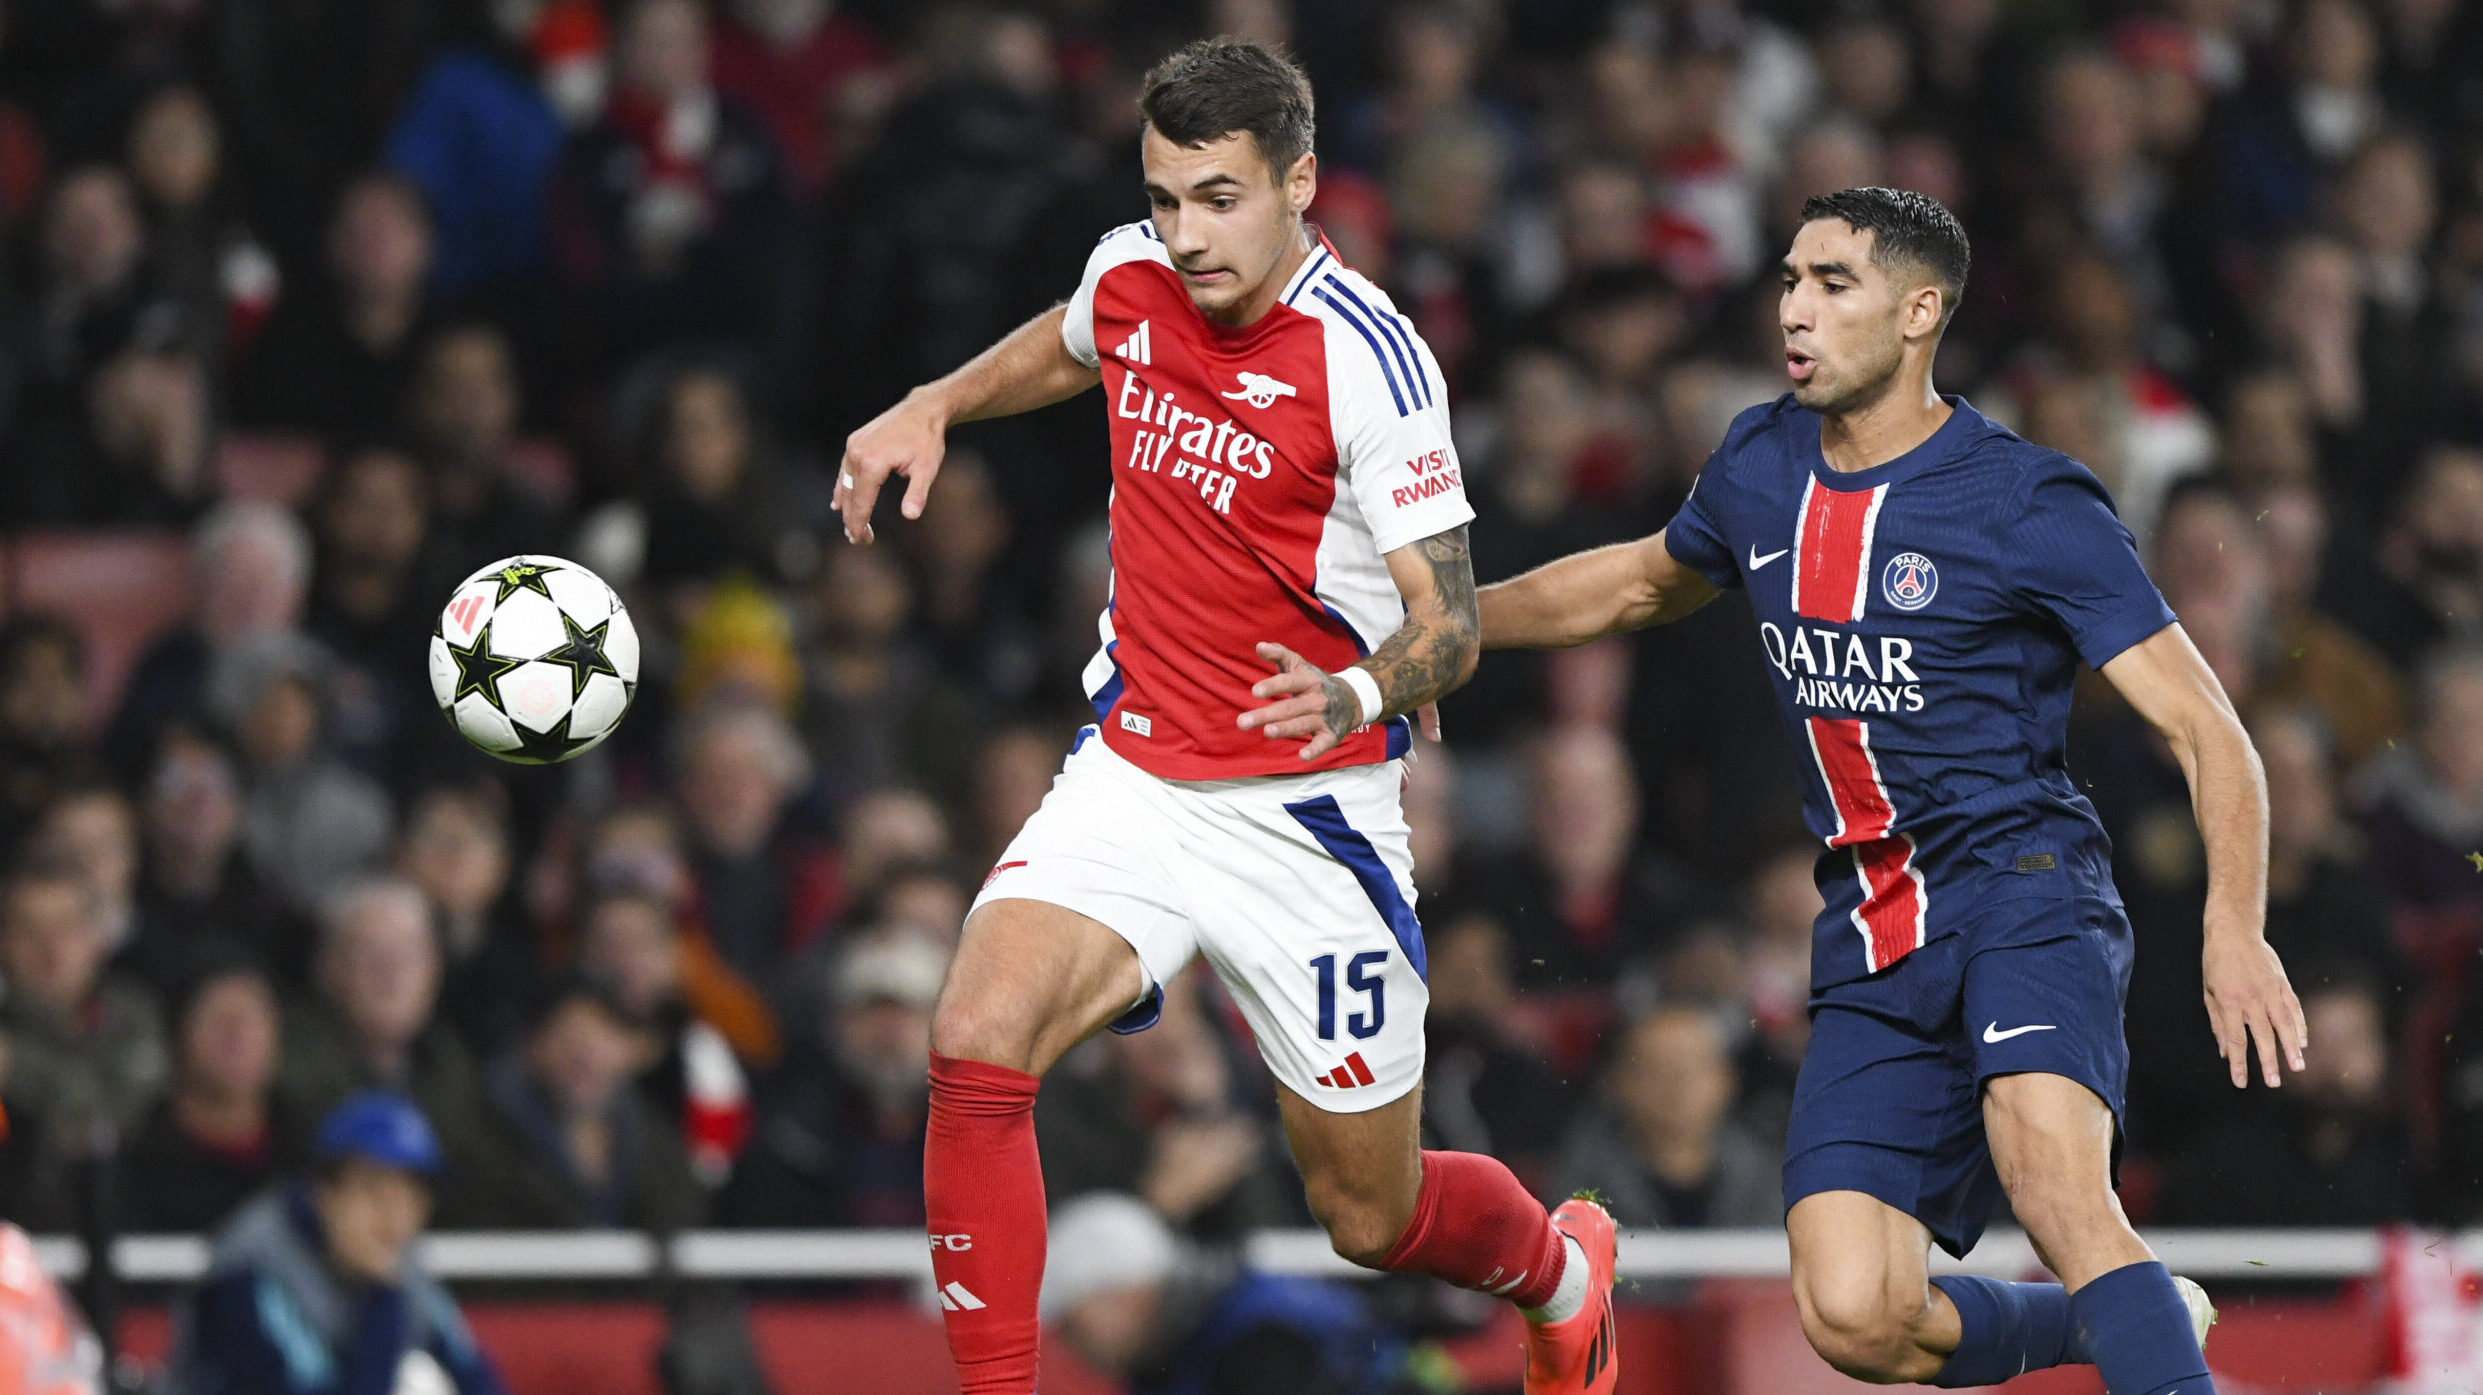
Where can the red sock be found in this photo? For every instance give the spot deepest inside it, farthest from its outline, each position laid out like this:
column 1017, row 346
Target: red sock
column 983, row 1188
column 1476, row 1227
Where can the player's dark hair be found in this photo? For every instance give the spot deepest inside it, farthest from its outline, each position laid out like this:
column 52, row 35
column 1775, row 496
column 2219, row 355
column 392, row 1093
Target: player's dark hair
column 1213, row 87
column 1906, row 228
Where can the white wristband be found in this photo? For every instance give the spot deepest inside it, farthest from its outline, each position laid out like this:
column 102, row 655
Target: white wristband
column 1366, row 688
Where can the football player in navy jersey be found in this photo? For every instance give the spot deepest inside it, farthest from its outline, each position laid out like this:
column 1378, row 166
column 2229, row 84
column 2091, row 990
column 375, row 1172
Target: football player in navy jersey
column 1926, row 584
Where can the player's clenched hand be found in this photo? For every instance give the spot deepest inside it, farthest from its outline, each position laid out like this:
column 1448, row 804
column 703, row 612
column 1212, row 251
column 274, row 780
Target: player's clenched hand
column 908, row 439
column 1310, row 704
column 2249, row 999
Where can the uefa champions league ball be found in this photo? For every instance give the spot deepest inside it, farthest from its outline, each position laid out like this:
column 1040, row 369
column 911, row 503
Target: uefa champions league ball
column 534, row 659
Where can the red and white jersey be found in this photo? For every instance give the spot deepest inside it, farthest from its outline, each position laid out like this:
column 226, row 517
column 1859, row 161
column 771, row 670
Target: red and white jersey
column 1260, row 477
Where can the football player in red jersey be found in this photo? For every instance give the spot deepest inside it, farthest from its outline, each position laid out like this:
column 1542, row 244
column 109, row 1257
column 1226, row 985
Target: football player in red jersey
column 1288, row 523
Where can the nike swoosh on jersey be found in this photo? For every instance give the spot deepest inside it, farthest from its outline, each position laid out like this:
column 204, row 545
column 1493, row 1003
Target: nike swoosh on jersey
column 1994, row 1036
column 1757, row 561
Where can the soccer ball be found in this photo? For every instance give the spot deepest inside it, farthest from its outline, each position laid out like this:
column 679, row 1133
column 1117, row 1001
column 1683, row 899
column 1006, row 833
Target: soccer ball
column 534, row 659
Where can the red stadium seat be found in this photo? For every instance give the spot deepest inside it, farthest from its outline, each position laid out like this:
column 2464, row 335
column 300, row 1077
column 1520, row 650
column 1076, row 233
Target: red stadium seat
column 121, row 591
column 282, row 469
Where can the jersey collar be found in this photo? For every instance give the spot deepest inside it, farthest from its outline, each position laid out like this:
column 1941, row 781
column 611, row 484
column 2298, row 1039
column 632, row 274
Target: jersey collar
column 1964, row 424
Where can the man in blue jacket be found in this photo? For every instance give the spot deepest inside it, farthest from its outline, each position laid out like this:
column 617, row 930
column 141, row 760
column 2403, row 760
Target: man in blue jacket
column 312, row 1288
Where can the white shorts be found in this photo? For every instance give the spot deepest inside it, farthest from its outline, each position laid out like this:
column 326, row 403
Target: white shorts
column 1299, row 889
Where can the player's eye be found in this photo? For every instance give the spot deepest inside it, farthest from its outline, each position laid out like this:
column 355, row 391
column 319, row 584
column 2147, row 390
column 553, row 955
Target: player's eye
column 1222, row 203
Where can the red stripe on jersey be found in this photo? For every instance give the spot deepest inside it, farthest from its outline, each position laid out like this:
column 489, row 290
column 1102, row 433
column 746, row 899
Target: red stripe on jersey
column 1832, row 566
column 1362, row 1071
column 1894, row 898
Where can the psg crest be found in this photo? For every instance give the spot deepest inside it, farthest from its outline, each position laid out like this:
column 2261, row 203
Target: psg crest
column 1909, row 581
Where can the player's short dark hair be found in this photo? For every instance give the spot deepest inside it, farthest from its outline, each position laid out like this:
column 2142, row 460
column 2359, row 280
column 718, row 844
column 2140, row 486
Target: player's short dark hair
column 1213, row 87
column 1906, row 229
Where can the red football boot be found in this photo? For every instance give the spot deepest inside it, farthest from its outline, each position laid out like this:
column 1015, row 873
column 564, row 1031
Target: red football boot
column 1579, row 1356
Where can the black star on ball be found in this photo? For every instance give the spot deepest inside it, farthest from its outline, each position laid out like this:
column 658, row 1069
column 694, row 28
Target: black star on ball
column 479, row 669
column 522, row 576
column 583, row 652
column 542, row 747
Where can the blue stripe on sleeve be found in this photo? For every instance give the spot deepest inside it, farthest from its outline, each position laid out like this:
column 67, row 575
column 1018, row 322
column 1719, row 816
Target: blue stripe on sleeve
column 1409, row 362
column 1386, row 371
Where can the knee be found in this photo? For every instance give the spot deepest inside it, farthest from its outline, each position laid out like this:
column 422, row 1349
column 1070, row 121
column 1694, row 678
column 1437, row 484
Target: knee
column 970, row 1026
column 1361, row 1227
column 1863, row 1329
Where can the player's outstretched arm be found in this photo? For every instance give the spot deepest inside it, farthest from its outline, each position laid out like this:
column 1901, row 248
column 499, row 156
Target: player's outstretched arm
column 1032, row 367
column 1428, row 657
column 2248, row 997
column 1588, row 595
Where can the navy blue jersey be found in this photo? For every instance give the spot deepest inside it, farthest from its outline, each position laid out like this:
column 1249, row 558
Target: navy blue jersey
column 1923, row 620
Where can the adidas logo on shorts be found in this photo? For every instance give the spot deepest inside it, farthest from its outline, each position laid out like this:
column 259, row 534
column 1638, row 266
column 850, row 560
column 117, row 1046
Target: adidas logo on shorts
column 1353, row 1073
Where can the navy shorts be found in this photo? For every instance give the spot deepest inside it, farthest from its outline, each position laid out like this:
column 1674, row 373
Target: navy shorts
column 1890, row 1099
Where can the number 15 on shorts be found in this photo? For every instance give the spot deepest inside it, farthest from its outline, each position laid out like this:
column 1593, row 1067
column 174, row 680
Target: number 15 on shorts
column 1358, row 979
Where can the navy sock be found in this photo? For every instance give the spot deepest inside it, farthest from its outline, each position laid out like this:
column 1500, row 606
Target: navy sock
column 2136, row 1330
column 2010, row 1329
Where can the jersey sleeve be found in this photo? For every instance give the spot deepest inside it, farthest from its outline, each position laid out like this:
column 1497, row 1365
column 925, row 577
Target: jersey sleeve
column 1388, row 407
column 2070, row 558
column 1129, row 242
column 1695, row 535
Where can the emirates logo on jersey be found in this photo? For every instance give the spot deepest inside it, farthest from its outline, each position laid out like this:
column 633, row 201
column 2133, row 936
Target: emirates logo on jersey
column 1260, row 390
column 1212, row 453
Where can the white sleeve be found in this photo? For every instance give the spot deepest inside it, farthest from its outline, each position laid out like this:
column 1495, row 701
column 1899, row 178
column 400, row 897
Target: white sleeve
column 1127, row 243
column 1387, row 406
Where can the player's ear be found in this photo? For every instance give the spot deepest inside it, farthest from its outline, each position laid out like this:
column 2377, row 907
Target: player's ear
column 1923, row 309
column 1302, row 183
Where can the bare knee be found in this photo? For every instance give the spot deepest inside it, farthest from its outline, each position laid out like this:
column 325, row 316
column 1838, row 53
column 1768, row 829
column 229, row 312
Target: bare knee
column 1864, row 1327
column 1362, row 1226
column 973, row 1026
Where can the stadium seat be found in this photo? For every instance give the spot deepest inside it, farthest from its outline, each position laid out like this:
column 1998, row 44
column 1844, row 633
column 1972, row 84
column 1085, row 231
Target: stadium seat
column 121, row 591
column 282, row 469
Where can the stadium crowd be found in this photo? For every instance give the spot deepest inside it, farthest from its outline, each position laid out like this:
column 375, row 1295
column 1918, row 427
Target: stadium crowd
column 353, row 296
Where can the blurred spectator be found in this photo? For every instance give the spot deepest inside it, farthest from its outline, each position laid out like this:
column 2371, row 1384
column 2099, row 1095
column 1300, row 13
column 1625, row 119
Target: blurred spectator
column 369, row 1023
column 818, row 77
column 199, row 897
column 2289, row 133
column 463, row 407
column 2321, row 907
column 219, row 1136
column 711, row 496
column 308, row 819
column 335, row 355
column 1578, row 899
column 479, row 136
column 636, row 852
column 573, row 1143
column 1661, row 1145
column 764, row 890
column 1486, row 1085
column 2387, row 201
column 371, row 608
column 843, row 1138
column 2315, row 661
column 196, row 242
column 92, row 832
column 971, row 626
column 2423, row 803
column 2431, row 557
column 1140, row 1306
column 688, row 1068
column 1013, row 773
column 45, row 733
column 315, row 1285
column 456, row 849
column 251, row 570
column 2324, row 1151
column 666, row 215
column 1163, row 1114
column 876, row 708
column 1781, row 905
column 85, row 1050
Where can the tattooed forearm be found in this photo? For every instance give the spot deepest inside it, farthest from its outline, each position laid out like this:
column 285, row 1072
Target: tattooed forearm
column 1434, row 651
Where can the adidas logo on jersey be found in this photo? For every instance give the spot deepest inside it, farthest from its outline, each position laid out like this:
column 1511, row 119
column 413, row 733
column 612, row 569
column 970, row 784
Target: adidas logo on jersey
column 1354, row 1072
column 1134, row 348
